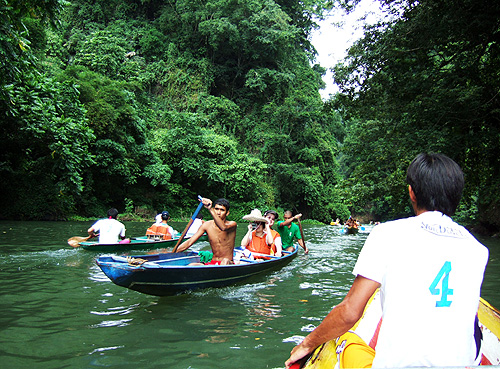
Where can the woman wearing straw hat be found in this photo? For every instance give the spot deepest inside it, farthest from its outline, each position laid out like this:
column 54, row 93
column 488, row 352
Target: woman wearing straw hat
column 261, row 239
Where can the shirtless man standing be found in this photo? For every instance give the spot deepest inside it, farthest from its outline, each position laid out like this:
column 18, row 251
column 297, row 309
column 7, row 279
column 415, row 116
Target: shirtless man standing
column 221, row 233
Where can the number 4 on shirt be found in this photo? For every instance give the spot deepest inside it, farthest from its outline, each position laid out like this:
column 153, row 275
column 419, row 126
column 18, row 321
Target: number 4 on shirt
column 444, row 275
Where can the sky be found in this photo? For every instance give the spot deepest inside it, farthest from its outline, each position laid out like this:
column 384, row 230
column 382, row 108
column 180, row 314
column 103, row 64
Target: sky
column 337, row 33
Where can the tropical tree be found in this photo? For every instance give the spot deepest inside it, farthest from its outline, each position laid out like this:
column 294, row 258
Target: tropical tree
column 426, row 80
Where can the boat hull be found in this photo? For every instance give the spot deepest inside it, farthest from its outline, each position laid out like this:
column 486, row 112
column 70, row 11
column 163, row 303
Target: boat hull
column 351, row 230
column 137, row 243
column 169, row 274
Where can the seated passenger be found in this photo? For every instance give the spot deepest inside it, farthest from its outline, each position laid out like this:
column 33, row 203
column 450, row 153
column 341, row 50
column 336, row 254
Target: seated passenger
column 161, row 231
column 261, row 239
column 271, row 217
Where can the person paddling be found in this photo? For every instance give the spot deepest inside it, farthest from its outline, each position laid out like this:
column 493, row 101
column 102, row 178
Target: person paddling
column 110, row 229
column 289, row 230
column 220, row 231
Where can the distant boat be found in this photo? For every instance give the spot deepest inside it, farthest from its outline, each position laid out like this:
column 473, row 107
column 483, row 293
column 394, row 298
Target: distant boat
column 170, row 273
column 136, row 243
column 349, row 230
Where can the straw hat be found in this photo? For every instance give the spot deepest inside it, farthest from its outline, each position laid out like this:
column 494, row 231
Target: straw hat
column 255, row 216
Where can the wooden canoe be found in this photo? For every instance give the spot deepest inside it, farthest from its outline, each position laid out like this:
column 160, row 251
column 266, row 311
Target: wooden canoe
column 489, row 321
column 136, row 243
column 349, row 230
column 170, row 273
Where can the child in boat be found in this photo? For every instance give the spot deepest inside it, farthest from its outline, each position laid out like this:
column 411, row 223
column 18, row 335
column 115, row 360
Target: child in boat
column 290, row 231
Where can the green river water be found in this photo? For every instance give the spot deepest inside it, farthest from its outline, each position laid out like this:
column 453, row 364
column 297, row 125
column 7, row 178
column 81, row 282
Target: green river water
column 58, row 310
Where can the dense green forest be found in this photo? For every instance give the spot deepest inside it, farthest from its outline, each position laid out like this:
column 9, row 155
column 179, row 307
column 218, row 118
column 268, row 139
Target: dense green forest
column 143, row 104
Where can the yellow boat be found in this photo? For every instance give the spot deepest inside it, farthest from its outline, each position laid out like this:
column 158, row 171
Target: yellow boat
column 489, row 321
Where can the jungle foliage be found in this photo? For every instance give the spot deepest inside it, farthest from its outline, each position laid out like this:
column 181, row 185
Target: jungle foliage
column 426, row 78
column 143, row 104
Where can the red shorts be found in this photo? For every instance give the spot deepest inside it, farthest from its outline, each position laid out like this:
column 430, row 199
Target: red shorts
column 213, row 262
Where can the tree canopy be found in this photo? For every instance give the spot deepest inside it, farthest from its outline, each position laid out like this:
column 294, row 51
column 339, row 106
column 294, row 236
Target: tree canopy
column 146, row 104
column 425, row 79
column 167, row 101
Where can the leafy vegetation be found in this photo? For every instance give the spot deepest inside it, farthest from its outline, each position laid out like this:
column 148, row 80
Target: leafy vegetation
column 143, row 105
column 425, row 79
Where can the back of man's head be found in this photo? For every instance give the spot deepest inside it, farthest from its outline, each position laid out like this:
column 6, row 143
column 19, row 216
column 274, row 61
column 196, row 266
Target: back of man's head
column 222, row 202
column 437, row 182
column 112, row 213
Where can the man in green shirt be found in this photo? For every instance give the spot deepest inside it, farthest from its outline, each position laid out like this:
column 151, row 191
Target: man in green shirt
column 289, row 230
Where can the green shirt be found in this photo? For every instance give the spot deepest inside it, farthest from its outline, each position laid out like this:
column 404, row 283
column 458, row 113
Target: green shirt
column 287, row 234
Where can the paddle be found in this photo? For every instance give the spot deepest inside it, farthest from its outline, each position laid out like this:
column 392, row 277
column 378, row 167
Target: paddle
column 75, row 241
column 195, row 214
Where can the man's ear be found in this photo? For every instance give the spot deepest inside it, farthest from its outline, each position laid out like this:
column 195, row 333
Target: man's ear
column 413, row 198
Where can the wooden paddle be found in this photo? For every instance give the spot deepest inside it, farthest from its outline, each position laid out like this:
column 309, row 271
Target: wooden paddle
column 195, row 214
column 301, row 231
column 75, row 241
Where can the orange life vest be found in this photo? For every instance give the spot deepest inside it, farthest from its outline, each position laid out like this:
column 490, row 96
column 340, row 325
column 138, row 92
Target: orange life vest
column 160, row 231
column 259, row 244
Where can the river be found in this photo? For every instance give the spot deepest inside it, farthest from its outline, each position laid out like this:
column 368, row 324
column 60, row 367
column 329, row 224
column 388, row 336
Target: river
column 58, row 310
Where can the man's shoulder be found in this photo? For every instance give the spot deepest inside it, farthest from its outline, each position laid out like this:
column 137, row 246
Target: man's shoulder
column 207, row 223
column 231, row 223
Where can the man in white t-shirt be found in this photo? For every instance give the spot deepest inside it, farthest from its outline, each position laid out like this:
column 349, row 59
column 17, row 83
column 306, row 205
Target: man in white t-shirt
column 110, row 230
column 429, row 270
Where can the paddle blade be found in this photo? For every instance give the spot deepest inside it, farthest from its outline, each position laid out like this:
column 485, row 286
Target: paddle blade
column 193, row 217
column 75, row 241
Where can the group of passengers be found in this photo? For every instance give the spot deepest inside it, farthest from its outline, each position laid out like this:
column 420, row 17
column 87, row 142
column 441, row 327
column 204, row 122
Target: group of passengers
column 259, row 241
column 351, row 222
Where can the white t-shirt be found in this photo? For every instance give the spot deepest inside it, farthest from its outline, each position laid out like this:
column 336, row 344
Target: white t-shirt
column 430, row 270
column 109, row 230
column 197, row 222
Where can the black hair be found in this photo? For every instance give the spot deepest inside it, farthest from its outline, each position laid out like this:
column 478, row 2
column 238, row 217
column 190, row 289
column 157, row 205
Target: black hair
column 437, row 182
column 222, row 202
column 271, row 212
column 113, row 213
